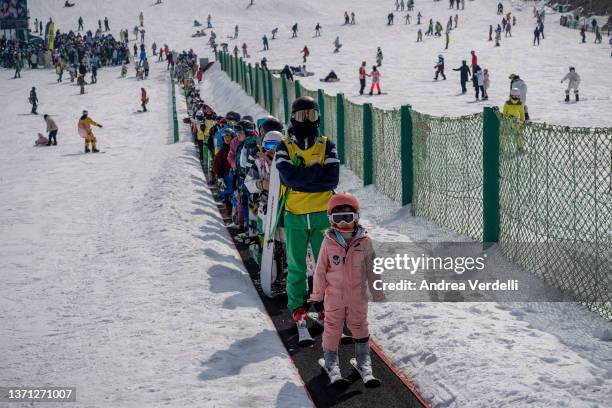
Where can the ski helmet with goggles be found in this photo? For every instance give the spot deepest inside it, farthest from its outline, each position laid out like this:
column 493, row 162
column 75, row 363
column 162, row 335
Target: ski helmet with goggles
column 515, row 93
column 247, row 126
column 304, row 109
column 272, row 139
column 227, row 132
column 231, row 115
column 343, row 221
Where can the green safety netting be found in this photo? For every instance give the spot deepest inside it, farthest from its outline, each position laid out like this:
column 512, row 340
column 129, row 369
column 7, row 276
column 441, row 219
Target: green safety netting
column 447, row 154
column 353, row 137
column 556, row 206
column 329, row 113
column 387, row 152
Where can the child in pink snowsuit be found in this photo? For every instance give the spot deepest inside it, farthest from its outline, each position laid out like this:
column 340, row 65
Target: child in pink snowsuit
column 344, row 270
column 375, row 74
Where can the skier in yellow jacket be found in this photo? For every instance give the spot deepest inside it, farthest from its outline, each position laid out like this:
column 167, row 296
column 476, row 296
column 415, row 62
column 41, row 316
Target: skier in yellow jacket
column 515, row 108
column 86, row 133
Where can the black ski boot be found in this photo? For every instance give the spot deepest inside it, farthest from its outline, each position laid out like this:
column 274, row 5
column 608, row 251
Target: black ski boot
column 567, row 97
column 94, row 150
column 577, row 97
column 87, row 150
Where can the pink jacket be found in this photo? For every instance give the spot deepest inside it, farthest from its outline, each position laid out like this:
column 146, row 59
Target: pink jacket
column 375, row 76
column 231, row 157
column 342, row 274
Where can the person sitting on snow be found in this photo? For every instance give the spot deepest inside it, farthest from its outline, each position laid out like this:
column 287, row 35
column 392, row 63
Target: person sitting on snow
column 331, row 77
column 41, row 141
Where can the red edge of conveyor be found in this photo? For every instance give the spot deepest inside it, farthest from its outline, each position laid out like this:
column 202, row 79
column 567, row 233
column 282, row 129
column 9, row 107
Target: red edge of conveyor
column 405, row 380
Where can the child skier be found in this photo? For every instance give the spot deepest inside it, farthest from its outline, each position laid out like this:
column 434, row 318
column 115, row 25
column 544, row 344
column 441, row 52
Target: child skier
column 574, row 82
column 375, row 74
column 344, row 269
column 144, row 99
column 439, row 68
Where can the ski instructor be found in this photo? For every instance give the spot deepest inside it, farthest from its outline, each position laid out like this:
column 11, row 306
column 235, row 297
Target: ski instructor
column 309, row 184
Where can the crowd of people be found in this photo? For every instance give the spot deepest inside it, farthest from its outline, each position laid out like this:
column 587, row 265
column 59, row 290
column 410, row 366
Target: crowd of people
column 241, row 152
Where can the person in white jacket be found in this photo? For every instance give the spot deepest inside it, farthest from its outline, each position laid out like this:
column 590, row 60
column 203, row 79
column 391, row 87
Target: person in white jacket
column 574, row 82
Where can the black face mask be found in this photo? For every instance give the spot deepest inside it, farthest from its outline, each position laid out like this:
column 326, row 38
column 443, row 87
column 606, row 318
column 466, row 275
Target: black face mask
column 306, row 129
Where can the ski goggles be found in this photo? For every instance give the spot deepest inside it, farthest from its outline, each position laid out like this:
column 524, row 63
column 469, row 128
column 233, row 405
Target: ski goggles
column 311, row 115
column 271, row 144
column 343, row 217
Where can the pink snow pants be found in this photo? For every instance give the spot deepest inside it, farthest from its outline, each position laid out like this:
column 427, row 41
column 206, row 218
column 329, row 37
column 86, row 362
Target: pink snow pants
column 356, row 317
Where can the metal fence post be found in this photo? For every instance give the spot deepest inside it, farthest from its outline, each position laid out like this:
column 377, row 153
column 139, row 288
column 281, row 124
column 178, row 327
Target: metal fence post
column 298, row 90
column 251, row 80
column 257, row 83
column 490, row 176
column 321, row 102
column 340, row 126
column 285, row 98
column 270, row 94
column 368, row 136
column 407, row 179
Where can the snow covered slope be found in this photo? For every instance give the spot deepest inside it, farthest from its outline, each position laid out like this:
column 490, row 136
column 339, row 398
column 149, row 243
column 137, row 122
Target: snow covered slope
column 407, row 70
column 118, row 276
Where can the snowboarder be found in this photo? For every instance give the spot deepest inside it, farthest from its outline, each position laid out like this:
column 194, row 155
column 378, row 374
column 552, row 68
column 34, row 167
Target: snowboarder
column 306, row 52
column 52, row 129
column 439, row 68
column 379, row 57
column 362, row 77
column 464, row 72
column 309, row 187
column 144, row 99
column 84, row 127
column 517, row 83
column 318, row 30
column 574, row 81
column 265, row 43
column 33, row 100
column 375, row 75
column 334, row 295
column 274, row 32
column 294, row 30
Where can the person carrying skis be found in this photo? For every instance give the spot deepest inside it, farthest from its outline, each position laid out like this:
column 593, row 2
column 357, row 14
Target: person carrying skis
column 464, row 72
column 375, row 74
column 33, row 98
column 306, row 52
column 144, row 99
column 439, row 68
column 379, row 57
column 309, row 169
column 362, row 77
column 573, row 82
column 344, row 270
column 84, row 127
column 52, row 129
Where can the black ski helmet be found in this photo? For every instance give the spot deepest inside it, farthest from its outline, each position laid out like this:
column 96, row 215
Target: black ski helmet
column 249, row 118
column 303, row 103
column 270, row 123
column 231, row 115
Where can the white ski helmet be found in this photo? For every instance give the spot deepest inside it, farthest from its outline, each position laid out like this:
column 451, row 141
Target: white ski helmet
column 273, row 136
column 515, row 93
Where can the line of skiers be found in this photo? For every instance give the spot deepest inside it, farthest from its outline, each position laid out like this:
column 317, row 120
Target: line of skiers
column 243, row 152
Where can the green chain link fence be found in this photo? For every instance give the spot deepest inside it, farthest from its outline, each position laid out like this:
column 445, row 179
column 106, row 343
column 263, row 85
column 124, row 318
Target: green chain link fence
column 556, row 206
column 544, row 192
